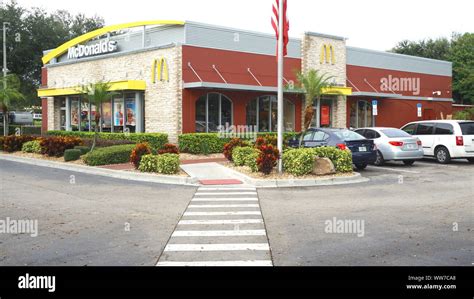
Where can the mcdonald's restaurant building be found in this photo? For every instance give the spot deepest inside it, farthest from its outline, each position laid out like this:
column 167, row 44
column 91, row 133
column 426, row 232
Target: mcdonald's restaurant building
column 184, row 77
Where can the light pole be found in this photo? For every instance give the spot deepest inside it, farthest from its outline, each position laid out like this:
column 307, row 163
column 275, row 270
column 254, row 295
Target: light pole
column 5, row 71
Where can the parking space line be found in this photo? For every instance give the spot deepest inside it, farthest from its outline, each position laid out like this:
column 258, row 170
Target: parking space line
column 395, row 169
column 224, row 193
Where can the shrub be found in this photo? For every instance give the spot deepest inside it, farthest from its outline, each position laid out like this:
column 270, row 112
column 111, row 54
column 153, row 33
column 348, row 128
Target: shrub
column 229, row 147
column 138, row 152
column 155, row 140
column 84, row 149
column 239, row 154
column 56, row 145
column 168, row 163
column 251, row 160
column 149, row 163
column 32, row 147
column 169, row 149
column 14, row 143
column 105, row 142
column 1, row 142
column 109, row 155
column 342, row 159
column 267, row 158
column 199, row 143
column 298, row 161
column 165, row 163
column 72, row 155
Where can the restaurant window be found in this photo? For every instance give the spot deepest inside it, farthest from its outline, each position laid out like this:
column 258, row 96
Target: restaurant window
column 361, row 114
column 262, row 112
column 213, row 110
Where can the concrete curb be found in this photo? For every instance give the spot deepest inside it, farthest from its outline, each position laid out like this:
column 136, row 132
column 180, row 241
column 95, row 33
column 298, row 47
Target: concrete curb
column 355, row 179
column 118, row 174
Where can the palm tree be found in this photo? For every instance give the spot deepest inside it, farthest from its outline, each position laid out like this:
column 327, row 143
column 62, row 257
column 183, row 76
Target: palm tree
column 313, row 84
column 96, row 94
column 9, row 90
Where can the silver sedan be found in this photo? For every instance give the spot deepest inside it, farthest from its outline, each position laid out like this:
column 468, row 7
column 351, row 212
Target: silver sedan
column 393, row 145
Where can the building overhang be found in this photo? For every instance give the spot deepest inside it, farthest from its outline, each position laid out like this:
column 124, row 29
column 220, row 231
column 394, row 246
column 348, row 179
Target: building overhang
column 376, row 94
column 115, row 86
column 335, row 90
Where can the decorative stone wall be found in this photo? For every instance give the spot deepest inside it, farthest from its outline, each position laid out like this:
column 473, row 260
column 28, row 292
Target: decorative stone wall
column 163, row 99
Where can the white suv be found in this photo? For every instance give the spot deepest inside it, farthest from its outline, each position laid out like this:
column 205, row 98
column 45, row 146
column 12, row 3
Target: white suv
column 444, row 139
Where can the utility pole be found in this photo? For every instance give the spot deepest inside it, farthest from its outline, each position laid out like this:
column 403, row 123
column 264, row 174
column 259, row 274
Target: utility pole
column 5, row 71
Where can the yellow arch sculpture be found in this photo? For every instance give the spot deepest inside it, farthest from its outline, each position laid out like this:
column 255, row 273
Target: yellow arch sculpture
column 90, row 35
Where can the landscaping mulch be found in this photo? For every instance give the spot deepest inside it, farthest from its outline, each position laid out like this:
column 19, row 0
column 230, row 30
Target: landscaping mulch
column 274, row 175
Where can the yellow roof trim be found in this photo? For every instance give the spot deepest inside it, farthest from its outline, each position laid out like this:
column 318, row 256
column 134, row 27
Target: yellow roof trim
column 115, row 86
column 338, row 90
column 88, row 36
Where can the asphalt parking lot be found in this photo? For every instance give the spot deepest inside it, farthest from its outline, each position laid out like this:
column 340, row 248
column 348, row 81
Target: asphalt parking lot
column 418, row 215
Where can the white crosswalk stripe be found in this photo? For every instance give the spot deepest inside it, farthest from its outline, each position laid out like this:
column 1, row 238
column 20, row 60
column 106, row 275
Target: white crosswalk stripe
column 222, row 226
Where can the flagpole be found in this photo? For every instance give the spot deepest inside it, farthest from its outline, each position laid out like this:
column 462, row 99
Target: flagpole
column 280, row 84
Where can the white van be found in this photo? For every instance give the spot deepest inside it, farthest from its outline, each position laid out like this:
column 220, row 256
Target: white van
column 444, row 139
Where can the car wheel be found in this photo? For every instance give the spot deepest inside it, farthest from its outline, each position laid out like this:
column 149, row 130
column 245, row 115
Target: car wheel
column 379, row 161
column 361, row 166
column 408, row 162
column 471, row 160
column 442, row 155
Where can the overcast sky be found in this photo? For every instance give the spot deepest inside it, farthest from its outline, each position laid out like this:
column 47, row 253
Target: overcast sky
column 371, row 24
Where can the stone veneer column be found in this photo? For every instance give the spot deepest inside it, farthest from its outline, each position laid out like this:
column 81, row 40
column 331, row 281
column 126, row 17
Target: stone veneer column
column 340, row 112
column 312, row 44
column 51, row 114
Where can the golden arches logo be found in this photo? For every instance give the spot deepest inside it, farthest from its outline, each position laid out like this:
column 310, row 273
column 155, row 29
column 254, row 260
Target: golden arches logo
column 163, row 71
column 327, row 54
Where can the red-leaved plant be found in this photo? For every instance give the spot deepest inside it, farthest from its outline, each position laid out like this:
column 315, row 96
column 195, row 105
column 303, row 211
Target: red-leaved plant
column 138, row 152
column 169, row 149
column 229, row 147
column 268, row 158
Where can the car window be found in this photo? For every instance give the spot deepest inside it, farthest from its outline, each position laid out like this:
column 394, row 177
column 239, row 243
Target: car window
column 395, row 133
column 467, row 128
column 320, row 136
column 371, row 134
column 444, row 129
column 308, row 136
column 410, row 129
column 360, row 132
column 347, row 135
column 425, row 129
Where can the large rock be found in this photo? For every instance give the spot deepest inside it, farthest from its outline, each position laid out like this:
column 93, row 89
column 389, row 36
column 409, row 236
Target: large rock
column 323, row 166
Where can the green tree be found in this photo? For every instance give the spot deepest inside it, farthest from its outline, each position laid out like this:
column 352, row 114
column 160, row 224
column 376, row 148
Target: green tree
column 9, row 91
column 96, row 94
column 459, row 50
column 32, row 31
column 313, row 84
column 462, row 56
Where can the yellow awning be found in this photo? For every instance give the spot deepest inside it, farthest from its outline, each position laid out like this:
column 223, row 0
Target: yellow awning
column 338, row 90
column 115, row 86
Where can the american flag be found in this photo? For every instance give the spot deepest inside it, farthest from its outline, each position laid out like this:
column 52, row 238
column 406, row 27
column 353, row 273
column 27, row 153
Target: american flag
column 286, row 24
